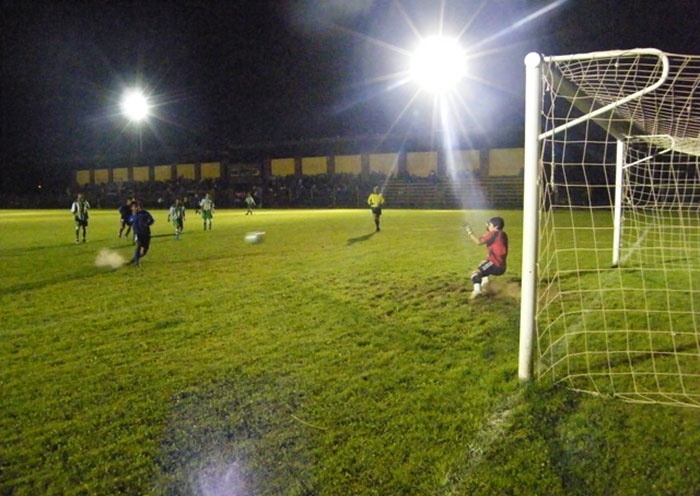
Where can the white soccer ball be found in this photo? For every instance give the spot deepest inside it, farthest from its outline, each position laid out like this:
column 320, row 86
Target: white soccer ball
column 253, row 238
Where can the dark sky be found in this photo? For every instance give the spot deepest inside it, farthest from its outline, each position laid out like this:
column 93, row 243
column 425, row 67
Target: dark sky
column 225, row 73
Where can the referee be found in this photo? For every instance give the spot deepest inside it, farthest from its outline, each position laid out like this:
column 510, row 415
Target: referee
column 375, row 202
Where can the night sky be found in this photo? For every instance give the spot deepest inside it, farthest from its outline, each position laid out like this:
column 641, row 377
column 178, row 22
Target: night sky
column 242, row 72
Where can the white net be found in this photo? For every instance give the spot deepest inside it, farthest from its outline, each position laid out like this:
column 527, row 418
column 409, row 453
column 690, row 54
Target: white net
column 618, row 261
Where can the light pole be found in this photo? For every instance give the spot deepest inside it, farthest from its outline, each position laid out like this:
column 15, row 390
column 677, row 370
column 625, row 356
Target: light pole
column 136, row 108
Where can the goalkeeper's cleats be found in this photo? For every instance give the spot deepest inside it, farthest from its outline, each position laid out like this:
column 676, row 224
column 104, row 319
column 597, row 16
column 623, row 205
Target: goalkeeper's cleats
column 475, row 294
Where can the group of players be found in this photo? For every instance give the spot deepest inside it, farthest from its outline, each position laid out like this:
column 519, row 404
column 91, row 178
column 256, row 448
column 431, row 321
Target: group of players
column 135, row 218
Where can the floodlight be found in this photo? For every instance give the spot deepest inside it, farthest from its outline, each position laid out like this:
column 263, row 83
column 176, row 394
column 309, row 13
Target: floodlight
column 136, row 108
column 438, row 64
column 135, row 105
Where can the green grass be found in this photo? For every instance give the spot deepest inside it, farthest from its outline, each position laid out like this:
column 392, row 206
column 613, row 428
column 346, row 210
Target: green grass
column 327, row 360
column 628, row 331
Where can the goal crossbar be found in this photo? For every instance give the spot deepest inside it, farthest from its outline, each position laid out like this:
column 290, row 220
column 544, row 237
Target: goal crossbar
column 604, row 115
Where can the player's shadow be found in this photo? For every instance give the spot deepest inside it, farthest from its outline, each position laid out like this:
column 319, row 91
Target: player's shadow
column 359, row 239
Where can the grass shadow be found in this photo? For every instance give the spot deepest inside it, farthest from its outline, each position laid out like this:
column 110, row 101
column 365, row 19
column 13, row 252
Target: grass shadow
column 85, row 273
column 359, row 239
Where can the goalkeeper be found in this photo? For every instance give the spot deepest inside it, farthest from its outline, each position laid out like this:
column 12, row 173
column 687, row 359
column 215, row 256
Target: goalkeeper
column 496, row 241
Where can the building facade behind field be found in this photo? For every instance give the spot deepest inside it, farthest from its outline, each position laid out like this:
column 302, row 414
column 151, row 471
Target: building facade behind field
column 471, row 178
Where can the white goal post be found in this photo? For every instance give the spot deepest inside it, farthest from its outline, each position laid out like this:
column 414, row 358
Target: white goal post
column 611, row 224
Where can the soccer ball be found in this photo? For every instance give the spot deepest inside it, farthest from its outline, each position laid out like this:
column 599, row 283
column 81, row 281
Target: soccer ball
column 253, row 238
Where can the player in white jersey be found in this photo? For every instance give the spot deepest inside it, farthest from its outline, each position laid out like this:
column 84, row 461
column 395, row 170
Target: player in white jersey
column 79, row 209
column 206, row 207
column 176, row 215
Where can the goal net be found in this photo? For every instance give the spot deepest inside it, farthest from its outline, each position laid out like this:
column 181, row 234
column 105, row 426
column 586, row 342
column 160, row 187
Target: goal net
column 611, row 244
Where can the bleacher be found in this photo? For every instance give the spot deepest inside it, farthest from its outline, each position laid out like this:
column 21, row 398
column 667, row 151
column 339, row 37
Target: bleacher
column 474, row 193
column 319, row 191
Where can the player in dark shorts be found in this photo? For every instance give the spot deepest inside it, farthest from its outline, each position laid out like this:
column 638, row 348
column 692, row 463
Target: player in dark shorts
column 79, row 209
column 375, row 202
column 496, row 241
column 124, row 216
column 141, row 221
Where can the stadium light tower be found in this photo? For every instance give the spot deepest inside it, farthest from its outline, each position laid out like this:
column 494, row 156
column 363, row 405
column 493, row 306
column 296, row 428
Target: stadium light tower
column 136, row 108
column 438, row 64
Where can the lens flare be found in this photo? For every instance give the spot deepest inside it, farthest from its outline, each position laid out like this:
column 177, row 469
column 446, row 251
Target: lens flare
column 438, row 64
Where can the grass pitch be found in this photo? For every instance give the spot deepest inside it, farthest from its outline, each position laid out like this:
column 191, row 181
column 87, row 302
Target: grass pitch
column 327, row 360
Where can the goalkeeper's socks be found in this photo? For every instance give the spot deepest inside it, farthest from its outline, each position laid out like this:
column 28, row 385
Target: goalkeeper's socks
column 476, row 292
column 484, row 281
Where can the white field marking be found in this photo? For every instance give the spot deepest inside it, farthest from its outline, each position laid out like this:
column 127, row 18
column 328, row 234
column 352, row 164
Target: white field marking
column 493, row 430
column 219, row 478
column 635, row 246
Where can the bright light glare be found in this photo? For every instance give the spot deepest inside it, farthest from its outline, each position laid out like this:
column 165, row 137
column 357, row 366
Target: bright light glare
column 135, row 105
column 438, row 64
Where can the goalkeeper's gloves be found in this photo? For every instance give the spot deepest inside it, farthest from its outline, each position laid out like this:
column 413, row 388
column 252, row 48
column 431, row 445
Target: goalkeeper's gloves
column 468, row 228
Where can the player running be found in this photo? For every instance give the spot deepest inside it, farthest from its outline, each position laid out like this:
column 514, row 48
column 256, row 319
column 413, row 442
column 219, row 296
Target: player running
column 375, row 202
column 124, row 215
column 141, row 222
column 176, row 215
column 249, row 203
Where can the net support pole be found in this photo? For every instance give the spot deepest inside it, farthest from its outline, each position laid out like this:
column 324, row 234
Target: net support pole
column 528, row 299
column 617, row 208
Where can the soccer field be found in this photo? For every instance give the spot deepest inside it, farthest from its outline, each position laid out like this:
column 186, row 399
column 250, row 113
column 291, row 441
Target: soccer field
column 326, row 360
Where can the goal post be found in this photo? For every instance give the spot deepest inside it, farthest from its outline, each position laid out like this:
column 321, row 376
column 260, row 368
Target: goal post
column 611, row 224
column 531, row 191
